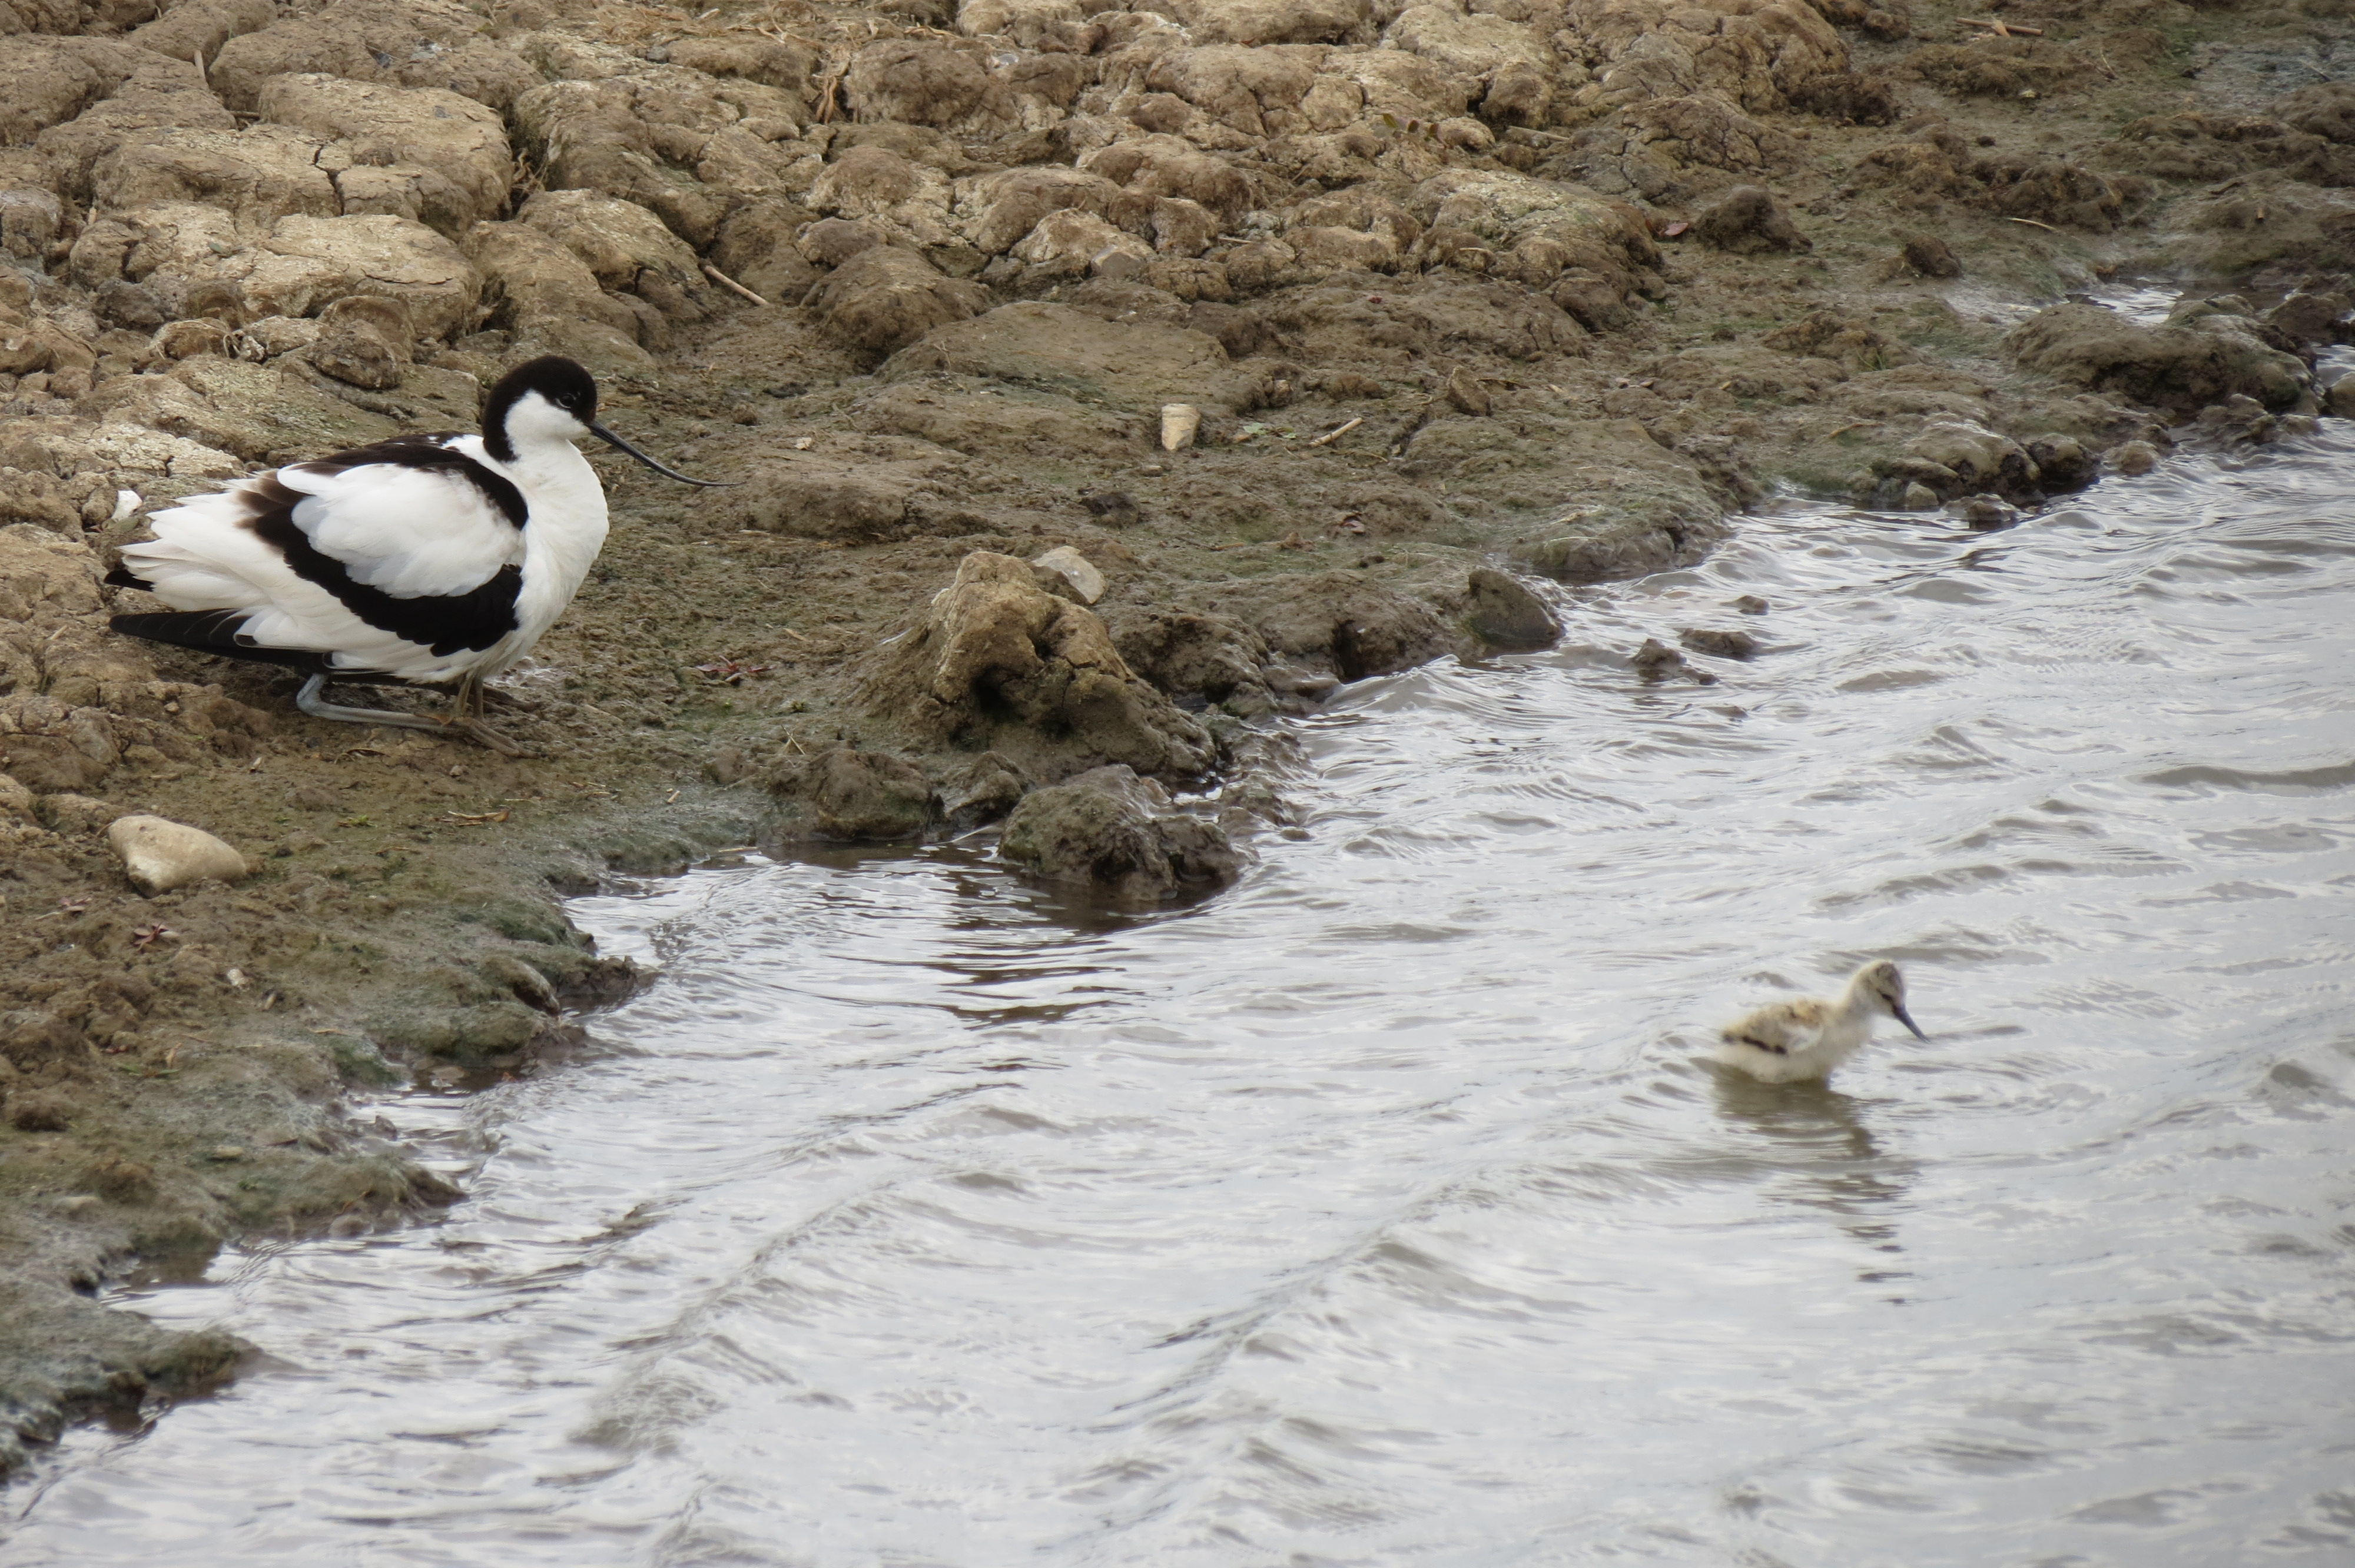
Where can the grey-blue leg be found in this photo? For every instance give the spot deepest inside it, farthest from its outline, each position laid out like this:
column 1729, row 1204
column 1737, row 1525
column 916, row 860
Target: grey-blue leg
column 309, row 700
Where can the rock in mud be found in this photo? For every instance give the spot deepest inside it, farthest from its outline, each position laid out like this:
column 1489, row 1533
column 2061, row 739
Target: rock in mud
column 1507, row 614
column 1465, row 393
column 2341, row 401
column 998, row 663
column 2209, row 357
column 160, row 856
column 983, row 792
column 1179, row 423
column 2316, row 316
column 1601, row 543
column 364, row 342
column 2062, row 463
column 1201, row 658
column 1113, row 508
column 625, row 247
column 1930, row 256
column 1119, row 836
column 1846, row 339
column 549, row 299
column 882, row 299
column 860, row 795
column 1067, row 574
column 1977, row 458
column 38, row 1110
column 1137, row 365
column 1748, row 223
column 1345, row 622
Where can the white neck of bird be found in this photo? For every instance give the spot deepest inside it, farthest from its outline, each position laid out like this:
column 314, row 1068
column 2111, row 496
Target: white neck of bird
column 1859, row 999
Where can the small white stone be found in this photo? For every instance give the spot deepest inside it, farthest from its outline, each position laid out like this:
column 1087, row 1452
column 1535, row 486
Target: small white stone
column 126, row 504
column 1180, row 421
column 161, row 855
column 1087, row 583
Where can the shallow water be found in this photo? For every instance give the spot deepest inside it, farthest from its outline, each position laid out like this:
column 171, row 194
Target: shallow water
column 1381, row 1210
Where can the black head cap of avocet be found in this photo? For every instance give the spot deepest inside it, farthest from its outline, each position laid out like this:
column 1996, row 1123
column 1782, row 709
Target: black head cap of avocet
column 552, row 398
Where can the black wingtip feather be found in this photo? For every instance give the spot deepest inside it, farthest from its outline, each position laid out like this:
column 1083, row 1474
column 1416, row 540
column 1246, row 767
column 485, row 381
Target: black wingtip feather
column 121, row 577
column 213, row 631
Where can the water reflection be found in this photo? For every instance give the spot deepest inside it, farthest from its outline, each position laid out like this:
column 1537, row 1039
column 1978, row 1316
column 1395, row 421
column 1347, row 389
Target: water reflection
column 1823, row 1157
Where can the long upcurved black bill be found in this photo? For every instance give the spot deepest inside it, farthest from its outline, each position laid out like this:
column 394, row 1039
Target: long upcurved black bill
column 1906, row 1019
column 611, row 439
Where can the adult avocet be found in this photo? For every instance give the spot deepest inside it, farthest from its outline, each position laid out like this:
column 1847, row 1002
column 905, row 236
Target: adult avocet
column 1788, row 1042
column 422, row 560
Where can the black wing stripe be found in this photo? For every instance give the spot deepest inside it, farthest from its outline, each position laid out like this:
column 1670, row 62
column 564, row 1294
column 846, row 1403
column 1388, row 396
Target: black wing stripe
column 214, row 631
column 122, row 576
column 446, row 623
column 428, row 453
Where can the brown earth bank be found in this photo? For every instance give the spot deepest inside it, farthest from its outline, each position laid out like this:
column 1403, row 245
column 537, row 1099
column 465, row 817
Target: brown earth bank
column 1440, row 306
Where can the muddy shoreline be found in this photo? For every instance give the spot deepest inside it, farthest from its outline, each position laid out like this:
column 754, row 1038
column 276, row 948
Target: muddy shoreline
column 1475, row 306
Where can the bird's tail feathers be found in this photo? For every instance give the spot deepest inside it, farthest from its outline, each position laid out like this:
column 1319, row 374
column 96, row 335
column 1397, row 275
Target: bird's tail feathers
column 217, row 631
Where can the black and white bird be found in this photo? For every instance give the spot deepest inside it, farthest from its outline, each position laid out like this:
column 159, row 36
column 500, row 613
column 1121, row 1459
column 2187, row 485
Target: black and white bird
column 422, row 560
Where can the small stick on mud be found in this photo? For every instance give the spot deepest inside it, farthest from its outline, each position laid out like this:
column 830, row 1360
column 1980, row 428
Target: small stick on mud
column 1336, row 434
column 2003, row 29
column 2033, row 224
column 730, row 284
column 204, row 77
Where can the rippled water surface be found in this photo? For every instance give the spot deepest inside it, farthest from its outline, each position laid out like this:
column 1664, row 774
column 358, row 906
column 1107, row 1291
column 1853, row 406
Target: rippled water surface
column 1381, row 1210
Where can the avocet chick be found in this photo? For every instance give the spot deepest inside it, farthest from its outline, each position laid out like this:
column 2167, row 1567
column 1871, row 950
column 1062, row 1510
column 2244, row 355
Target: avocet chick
column 1793, row 1042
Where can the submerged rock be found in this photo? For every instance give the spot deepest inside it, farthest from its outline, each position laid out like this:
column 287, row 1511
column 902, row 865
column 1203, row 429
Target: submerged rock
column 1720, row 645
column 161, row 855
column 1656, row 660
column 1118, row 835
column 1987, row 512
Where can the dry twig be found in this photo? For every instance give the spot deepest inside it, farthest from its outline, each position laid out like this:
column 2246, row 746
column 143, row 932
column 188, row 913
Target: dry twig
column 730, row 284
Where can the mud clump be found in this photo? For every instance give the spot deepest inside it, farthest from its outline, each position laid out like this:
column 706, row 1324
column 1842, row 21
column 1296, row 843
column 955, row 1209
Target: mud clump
column 997, row 663
column 1748, row 222
column 1118, row 836
column 859, row 795
column 1507, row 615
column 1931, row 256
column 2198, row 358
column 882, row 299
